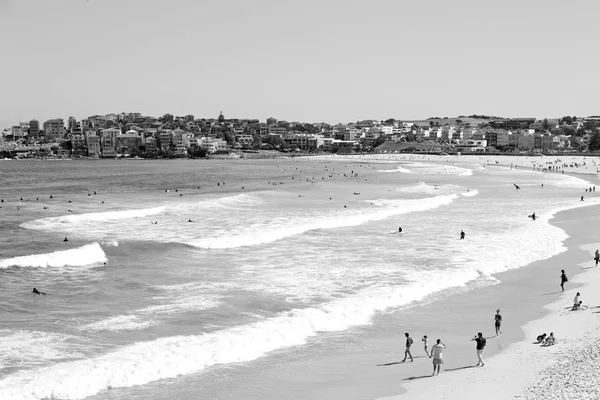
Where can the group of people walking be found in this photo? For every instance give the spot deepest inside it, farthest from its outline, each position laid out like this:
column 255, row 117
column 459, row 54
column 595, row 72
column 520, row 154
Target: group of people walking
column 437, row 350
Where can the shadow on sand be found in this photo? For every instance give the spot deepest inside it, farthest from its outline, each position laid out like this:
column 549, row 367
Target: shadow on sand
column 412, row 378
column 398, row 362
column 459, row 368
column 549, row 293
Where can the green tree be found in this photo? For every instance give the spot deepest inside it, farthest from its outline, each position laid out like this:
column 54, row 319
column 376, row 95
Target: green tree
column 379, row 141
column 256, row 141
column 229, row 138
column 567, row 130
column 545, row 124
column 197, row 152
column 594, row 142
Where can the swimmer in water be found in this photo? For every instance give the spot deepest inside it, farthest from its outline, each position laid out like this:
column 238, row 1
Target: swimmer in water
column 37, row 292
column 65, row 239
column 462, row 235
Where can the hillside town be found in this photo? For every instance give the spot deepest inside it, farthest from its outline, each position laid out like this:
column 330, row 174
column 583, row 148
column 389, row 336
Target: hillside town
column 169, row 136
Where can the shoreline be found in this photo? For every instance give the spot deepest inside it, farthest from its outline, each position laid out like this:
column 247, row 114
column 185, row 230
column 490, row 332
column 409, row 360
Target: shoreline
column 512, row 361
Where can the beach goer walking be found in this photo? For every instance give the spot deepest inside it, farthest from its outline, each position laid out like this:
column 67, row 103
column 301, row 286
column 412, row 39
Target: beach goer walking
column 481, row 342
column 409, row 343
column 581, row 198
column 462, row 235
column 563, row 279
column 436, row 354
column 497, row 321
column 425, row 344
column 597, row 257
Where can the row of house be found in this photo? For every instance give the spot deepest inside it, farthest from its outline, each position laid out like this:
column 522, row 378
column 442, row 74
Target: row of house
column 130, row 133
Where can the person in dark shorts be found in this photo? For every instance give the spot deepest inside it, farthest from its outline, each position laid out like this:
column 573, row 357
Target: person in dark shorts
column 409, row 343
column 563, row 279
column 497, row 322
column 462, row 235
column 481, row 342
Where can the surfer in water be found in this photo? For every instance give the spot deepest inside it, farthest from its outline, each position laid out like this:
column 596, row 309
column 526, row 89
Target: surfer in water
column 65, row 239
column 399, row 229
column 37, row 292
column 532, row 216
column 517, row 186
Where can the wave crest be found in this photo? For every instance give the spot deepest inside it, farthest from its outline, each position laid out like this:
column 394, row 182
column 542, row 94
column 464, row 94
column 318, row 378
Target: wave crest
column 77, row 257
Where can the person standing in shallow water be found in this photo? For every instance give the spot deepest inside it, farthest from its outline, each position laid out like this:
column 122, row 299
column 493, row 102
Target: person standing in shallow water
column 563, row 279
column 462, row 235
column 498, row 322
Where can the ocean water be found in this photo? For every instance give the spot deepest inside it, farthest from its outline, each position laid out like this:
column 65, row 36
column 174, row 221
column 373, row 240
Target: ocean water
column 171, row 286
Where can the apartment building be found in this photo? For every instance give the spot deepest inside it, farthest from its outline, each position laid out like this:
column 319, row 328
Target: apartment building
column 54, row 129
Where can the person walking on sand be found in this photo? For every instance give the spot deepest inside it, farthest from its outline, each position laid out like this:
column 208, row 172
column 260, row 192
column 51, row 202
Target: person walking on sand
column 597, row 257
column 481, row 342
column 436, row 354
column 497, row 322
column 409, row 343
column 563, row 279
column 462, row 234
column 425, row 344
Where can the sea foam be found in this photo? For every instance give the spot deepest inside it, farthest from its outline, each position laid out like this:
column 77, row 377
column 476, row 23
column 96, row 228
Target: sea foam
column 85, row 255
column 32, row 348
column 283, row 228
column 170, row 357
column 53, row 222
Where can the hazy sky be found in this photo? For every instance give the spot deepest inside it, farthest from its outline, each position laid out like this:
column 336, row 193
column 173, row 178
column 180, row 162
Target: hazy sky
column 304, row 60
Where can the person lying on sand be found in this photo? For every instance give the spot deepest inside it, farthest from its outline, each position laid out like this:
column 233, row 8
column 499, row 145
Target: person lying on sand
column 578, row 306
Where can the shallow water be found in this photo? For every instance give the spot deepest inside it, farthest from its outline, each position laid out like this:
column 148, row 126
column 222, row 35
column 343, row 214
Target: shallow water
column 299, row 260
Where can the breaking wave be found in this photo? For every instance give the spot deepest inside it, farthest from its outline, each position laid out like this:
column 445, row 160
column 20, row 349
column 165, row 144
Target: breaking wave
column 79, row 256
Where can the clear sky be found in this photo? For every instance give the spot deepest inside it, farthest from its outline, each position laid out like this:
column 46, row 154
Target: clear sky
column 303, row 60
